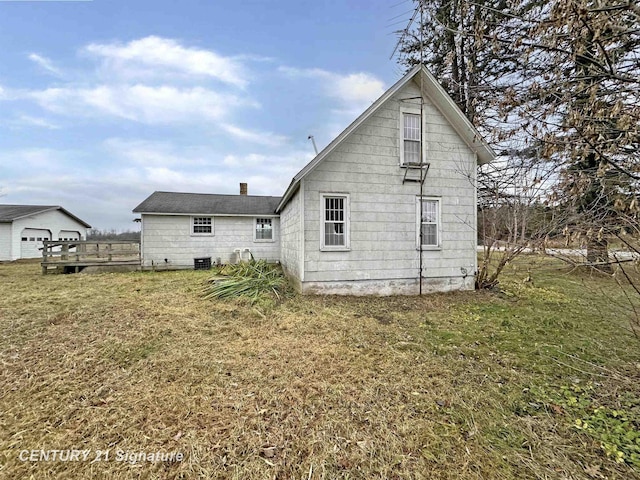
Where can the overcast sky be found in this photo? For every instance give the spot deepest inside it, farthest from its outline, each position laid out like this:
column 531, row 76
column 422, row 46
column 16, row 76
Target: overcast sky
column 102, row 102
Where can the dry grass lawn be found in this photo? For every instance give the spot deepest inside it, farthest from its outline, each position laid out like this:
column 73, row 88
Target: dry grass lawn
column 438, row 387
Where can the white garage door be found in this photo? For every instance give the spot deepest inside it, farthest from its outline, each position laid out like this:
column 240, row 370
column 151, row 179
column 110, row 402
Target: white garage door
column 68, row 235
column 31, row 241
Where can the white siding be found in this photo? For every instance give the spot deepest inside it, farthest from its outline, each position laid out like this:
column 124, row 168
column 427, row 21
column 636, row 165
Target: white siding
column 291, row 238
column 383, row 218
column 5, row 241
column 169, row 236
column 53, row 221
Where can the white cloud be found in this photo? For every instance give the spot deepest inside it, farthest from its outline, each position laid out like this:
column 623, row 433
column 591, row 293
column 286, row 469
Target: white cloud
column 36, row 158
column 157, row 154
column 146, row 55
column 250, row 160
column 358, row 88
column 45, row 64
column 140, row 103
column 164, row 178
column 104, row 193
column 281, row 165
column 151, row 81
column 356, row 91
column 261, row 138
column 36, row 122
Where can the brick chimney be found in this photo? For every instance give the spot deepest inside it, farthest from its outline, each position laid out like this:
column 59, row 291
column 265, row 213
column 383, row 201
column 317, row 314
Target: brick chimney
column 243, row 189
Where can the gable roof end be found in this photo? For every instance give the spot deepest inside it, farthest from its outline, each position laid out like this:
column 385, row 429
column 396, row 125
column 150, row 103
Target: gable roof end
column 9, row 213
column 442, row 101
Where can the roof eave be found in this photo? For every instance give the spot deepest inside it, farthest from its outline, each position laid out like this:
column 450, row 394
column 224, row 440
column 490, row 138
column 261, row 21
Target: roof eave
column 345, row 133
column 187, row 214
column 446, row 105
column 37, row 212
column 461, row 124
column 77, row 219
column 48, row 209
column 291, row 190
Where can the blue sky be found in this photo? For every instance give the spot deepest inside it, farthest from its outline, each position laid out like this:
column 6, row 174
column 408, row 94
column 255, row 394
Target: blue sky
column 102, row 102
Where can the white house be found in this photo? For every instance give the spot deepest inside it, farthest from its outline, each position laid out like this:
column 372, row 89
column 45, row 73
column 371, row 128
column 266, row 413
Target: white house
column 388, row 207
column 178, row 228
column 24, row 227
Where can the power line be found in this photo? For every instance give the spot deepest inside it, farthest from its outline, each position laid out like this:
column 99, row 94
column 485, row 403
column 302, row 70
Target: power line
column 401, row 3
column 404, row 32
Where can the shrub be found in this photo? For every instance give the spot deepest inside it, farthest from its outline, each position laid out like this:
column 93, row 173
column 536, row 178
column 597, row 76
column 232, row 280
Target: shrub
column 252, row 280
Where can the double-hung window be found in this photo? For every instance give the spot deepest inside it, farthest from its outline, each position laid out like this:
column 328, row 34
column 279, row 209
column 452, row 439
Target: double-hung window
column 429, row 222
column 201, row 226
column 411, row 141
column 264, row 230
column 335, row 222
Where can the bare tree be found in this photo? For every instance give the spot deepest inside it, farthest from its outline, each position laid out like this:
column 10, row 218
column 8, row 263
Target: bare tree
column 555, row 88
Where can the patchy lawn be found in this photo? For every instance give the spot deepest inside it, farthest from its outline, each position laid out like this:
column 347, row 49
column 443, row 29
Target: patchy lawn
column 472, row 385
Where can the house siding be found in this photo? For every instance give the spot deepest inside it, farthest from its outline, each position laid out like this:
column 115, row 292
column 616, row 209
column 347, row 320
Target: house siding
column 383, row 256
column 291, row 238
column 169, row 237
column 5, row 241
column 54, row 221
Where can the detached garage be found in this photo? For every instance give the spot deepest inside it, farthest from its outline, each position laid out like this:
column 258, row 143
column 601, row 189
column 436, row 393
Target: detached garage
column 23, row 228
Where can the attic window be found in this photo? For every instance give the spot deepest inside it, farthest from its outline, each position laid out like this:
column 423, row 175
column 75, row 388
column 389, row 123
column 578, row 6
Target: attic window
column 202, row 226
column 411, row 141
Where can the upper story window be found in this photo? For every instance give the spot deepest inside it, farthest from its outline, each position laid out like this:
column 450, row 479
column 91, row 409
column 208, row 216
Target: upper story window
column 411, row 138
column 201, row 226
column 264, row 229
column 335, row 222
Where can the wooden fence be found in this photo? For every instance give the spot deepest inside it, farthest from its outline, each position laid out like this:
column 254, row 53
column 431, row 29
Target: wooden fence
column 74, row 255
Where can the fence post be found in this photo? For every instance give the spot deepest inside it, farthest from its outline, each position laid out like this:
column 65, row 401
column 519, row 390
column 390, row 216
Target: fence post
column 45, row 246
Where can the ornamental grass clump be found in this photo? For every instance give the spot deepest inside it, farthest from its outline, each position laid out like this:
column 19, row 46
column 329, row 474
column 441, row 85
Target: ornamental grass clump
column 253, row 280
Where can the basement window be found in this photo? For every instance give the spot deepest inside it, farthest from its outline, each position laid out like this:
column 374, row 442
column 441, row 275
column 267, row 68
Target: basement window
column 264, row 230
column 201, row 226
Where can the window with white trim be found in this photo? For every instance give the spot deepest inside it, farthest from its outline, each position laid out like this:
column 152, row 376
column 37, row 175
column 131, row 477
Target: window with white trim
column 335, row 222
column 201, row 226
column 411, row 141
column 264, row 230
column 429, row 222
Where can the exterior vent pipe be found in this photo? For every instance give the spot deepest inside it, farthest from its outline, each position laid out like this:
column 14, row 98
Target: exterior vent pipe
column 313, row 140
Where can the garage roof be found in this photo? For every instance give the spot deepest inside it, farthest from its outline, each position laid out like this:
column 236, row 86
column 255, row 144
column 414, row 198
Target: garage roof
column 9, row 213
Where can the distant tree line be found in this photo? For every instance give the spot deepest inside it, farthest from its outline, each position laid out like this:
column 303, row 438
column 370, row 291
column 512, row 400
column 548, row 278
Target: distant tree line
column 113, row 234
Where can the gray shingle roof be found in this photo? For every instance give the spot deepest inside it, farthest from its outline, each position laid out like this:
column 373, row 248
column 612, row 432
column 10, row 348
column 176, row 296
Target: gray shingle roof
column 208, row 204
column 9, row 213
